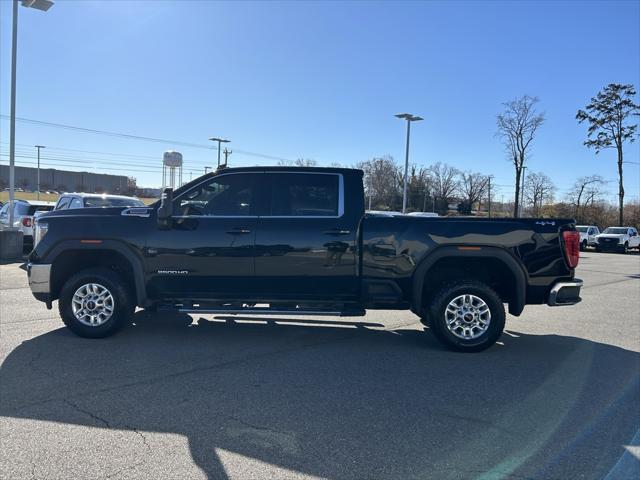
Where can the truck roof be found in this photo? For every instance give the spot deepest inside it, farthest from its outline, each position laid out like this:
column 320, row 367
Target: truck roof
column 288, row 169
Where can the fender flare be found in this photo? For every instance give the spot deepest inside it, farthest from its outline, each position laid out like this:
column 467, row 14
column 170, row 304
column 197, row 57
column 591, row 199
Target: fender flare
column 516, row 305
column 112, row 245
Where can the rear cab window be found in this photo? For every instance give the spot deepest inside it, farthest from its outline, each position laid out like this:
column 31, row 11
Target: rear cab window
column 305, row 195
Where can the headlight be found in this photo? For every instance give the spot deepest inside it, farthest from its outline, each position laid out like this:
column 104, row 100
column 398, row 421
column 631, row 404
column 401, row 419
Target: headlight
column 39, row 231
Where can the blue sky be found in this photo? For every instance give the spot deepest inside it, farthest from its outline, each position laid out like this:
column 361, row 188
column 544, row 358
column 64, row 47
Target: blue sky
column 318, row 80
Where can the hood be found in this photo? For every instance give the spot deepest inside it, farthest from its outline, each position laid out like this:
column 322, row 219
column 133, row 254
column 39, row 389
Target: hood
column 88, row 212
column 611, row 235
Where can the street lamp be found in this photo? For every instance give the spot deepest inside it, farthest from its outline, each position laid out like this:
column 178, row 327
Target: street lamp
column 219, row 140
column 206, row 169
column 38, row 181
column 42, row 5
column 409, row 118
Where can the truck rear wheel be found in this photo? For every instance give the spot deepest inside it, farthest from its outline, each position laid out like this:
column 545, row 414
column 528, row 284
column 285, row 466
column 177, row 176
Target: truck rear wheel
column 466, row 316
column 94, row 303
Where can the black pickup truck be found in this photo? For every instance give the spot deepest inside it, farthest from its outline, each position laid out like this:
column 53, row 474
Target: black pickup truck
column 281, row 240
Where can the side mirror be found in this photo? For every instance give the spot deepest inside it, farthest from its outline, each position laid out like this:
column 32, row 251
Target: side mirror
column 165, row 210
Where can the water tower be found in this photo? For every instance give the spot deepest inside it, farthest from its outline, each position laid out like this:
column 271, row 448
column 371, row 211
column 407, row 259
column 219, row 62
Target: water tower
column 171, row 162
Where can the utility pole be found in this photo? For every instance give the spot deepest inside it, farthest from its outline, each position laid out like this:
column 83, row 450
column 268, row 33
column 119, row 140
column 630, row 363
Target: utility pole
column 226, row 157
column 219, row 140
column 489, row 202
column 38, row 177
column 424, row 203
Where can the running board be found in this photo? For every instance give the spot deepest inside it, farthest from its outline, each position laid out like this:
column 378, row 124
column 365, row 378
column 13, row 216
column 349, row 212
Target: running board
column 270, row 311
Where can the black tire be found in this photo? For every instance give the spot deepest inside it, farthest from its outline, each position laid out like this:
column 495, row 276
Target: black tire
column 625, row 248
column 123, row 306
column 583, row 246
column 437, row 322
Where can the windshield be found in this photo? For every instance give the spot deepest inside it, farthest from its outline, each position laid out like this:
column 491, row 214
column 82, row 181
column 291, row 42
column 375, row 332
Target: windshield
column 28, row 209
column 582, row 229
column 112, row 202
column 616, row 231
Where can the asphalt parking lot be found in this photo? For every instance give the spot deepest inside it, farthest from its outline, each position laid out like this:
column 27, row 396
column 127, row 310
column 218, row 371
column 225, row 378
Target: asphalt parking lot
column 179, row 397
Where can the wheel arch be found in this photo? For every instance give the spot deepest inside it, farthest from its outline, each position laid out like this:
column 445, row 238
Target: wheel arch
column 70, row 257
column 469, row 255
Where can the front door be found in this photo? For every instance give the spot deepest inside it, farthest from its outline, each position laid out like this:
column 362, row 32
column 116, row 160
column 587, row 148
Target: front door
column 305, row 242
column 209, row 251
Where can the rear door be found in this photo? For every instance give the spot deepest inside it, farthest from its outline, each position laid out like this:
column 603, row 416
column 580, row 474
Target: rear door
column 306, row 241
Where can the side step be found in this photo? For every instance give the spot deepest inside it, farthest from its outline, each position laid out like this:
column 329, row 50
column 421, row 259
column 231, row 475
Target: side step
column 234, row 310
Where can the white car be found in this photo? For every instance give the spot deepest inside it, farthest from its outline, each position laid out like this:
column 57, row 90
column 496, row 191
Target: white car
column 423, row 214
column 620, row 239
column 587, row 235
column 92, row 200
column 24, row 212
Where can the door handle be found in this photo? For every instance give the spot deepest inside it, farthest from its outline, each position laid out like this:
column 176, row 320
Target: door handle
column 337, row 231
column 238, row 231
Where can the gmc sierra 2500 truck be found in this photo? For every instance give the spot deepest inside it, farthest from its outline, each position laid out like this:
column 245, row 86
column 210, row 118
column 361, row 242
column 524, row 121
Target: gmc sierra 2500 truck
column 281, row 240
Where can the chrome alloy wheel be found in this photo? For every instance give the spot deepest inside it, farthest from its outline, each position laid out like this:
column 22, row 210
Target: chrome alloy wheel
column 92, row 304
column 467, row 317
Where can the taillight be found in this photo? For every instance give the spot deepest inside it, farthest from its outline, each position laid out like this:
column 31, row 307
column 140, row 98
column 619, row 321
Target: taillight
column 26, row 221
column 571, row 240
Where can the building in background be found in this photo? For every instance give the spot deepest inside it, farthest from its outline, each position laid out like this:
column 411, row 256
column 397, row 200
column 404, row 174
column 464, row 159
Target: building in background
column 68, row 181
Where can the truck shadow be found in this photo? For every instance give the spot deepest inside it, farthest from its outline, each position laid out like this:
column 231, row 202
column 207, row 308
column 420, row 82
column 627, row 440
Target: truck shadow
column 333, row 399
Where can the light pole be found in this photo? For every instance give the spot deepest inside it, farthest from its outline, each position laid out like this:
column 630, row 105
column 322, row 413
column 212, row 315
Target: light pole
column 38, row 178
column 219, row 140
column 206, row 169
column 409, row 118
column 42, row 5
column 522, row 192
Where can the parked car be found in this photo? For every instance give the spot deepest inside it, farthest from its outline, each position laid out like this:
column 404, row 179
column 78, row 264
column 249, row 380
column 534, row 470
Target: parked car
column 298, row 241
column 424, row 214
column 24, row 213
column 619, row 239
column 587, row 235
column 89, row 200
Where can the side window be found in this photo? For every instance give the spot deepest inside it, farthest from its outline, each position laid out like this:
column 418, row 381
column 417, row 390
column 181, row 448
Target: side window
column 75, row 203
column 592, row 231
column 305, row 195
column 62, row 203
column 4, row 210
column 226, row 195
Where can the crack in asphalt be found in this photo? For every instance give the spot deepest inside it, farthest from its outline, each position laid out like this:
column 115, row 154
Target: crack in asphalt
column 161, row 378
column 259, row 427
column 110, row 426
column 88, row 413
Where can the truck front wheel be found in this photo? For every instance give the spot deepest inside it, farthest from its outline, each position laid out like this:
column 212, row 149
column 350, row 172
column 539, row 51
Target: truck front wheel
column 466, row 315
column 94, row 303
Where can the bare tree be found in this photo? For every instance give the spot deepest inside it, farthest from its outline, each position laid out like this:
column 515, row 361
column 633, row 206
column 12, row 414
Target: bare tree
column 517, row 127
column 585, row 191
column 444, row 180
column 382, row 181
column 539, row 190
column 300, row 162
column 607, row 115
column 473, row 187
column 419, row 189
